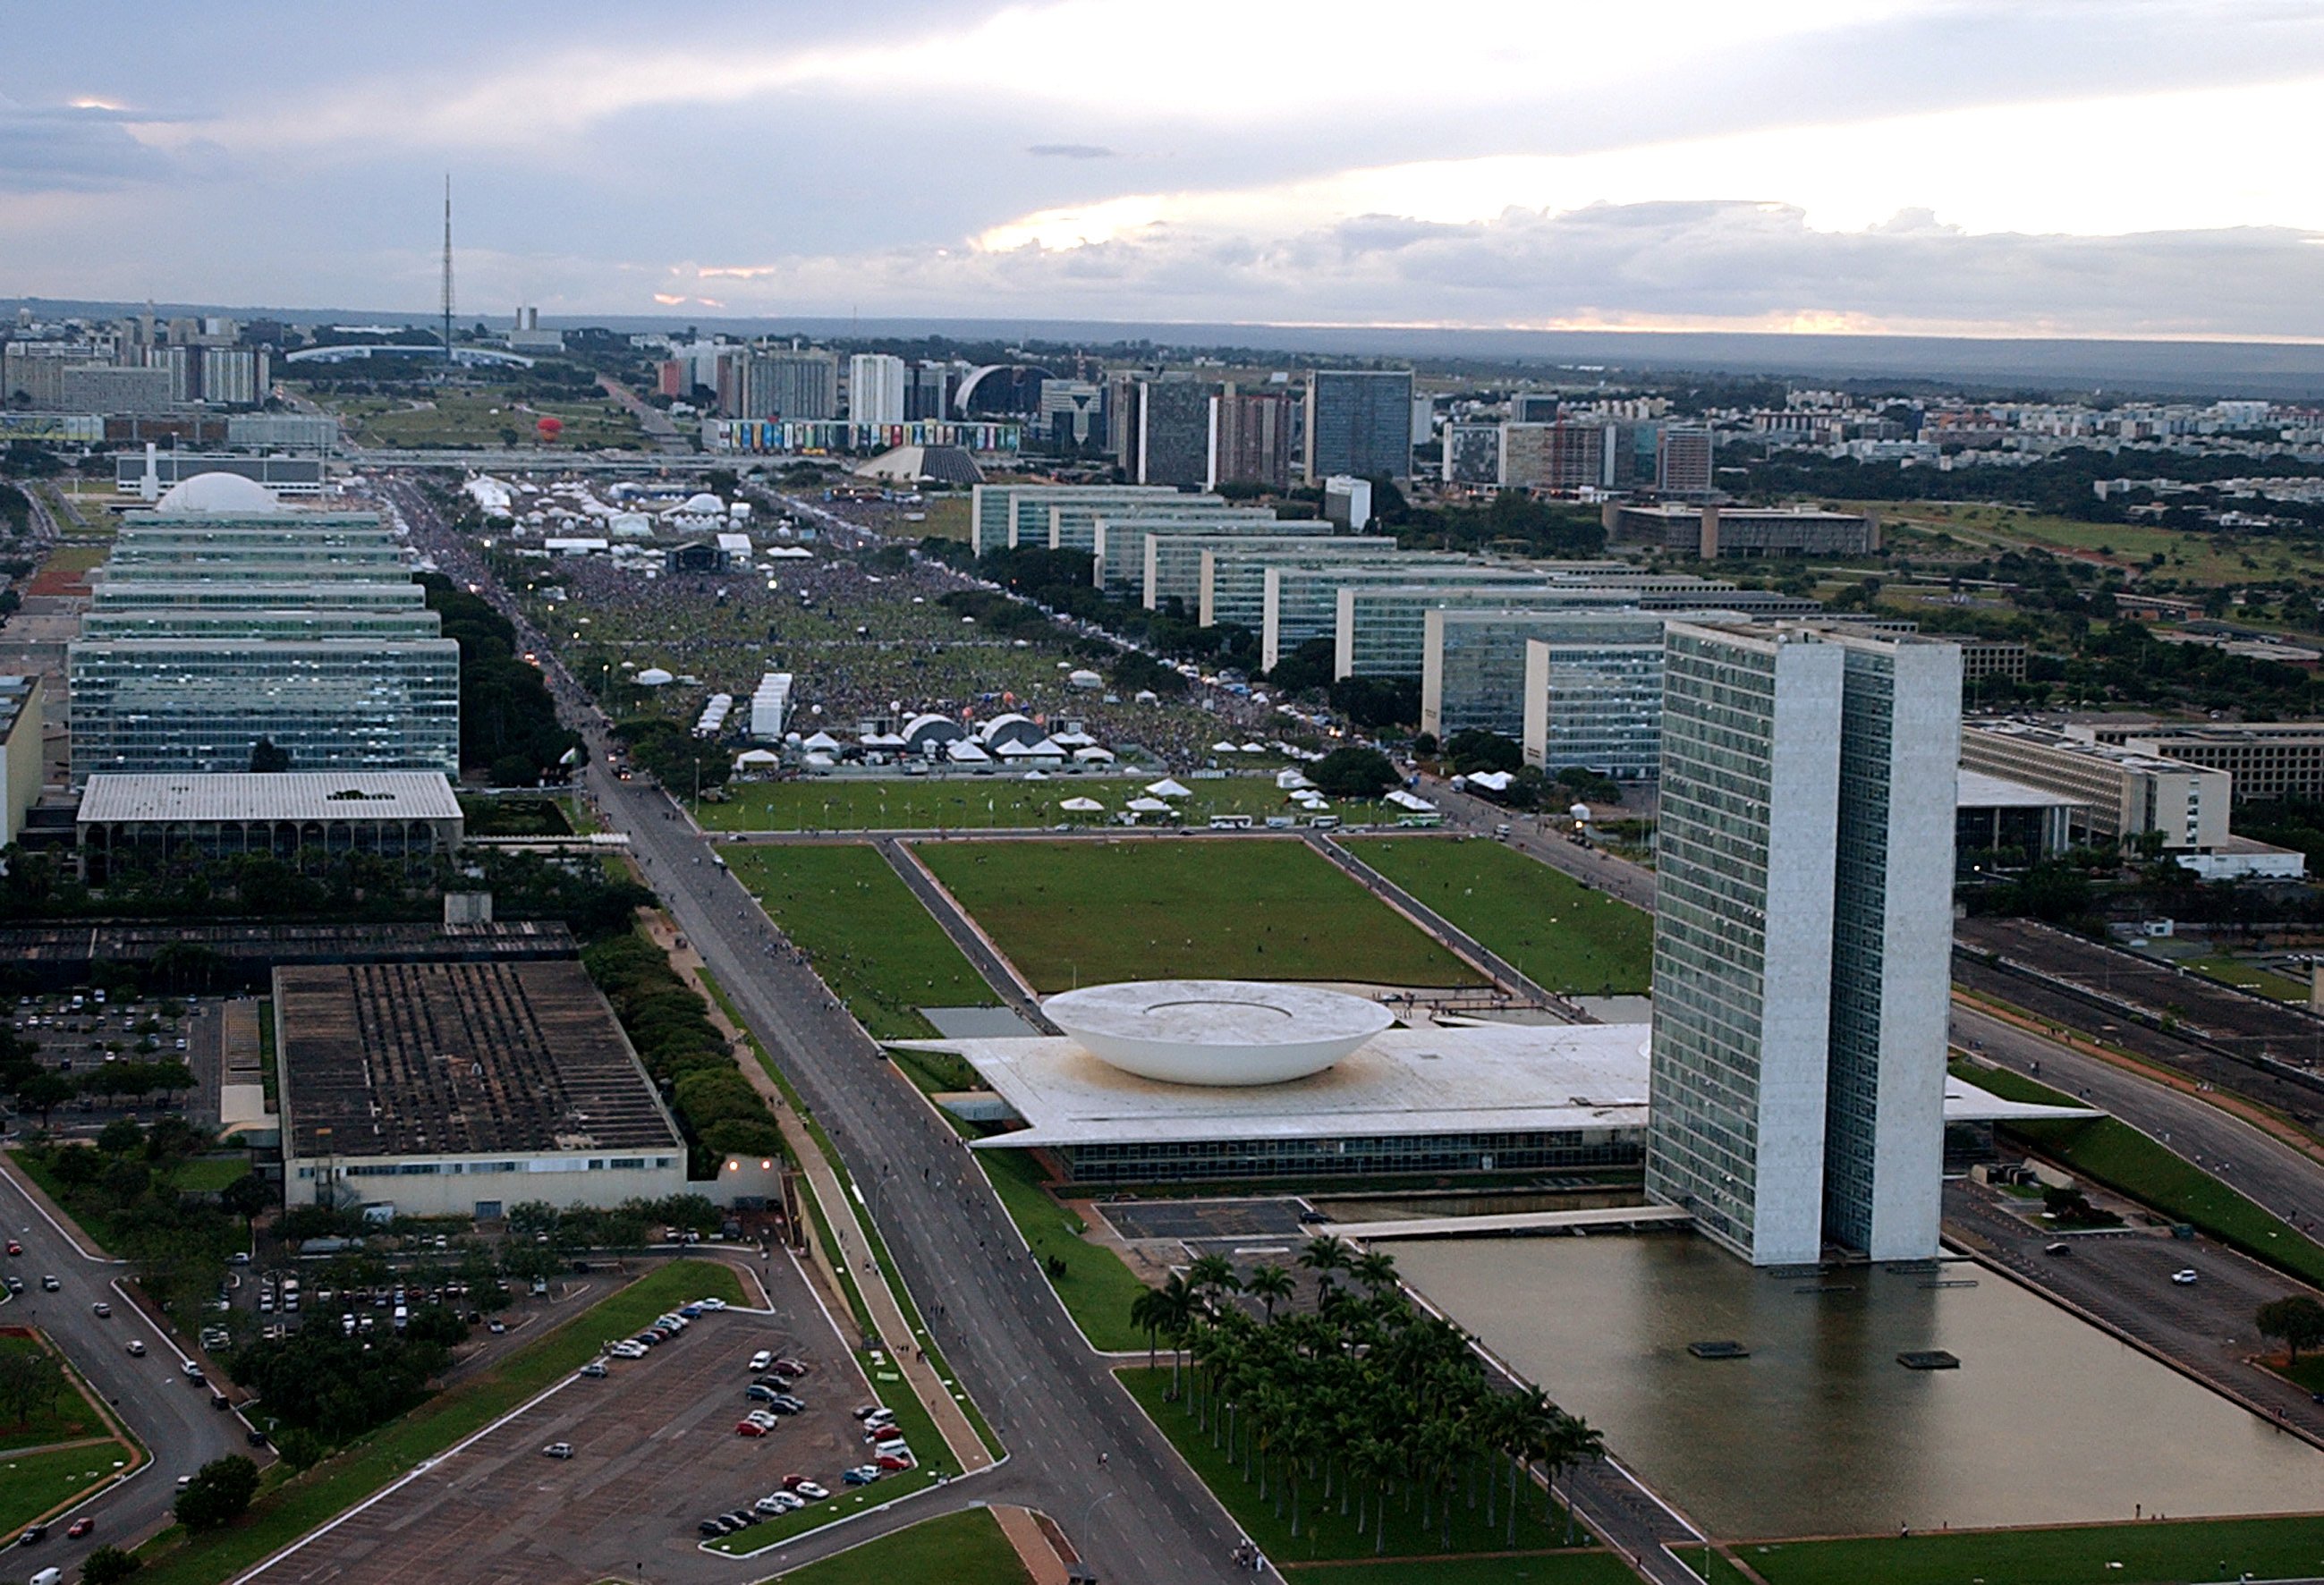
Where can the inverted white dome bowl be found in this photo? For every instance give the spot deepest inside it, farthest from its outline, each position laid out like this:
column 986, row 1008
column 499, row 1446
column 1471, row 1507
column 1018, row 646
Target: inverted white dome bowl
column 1216, row 1031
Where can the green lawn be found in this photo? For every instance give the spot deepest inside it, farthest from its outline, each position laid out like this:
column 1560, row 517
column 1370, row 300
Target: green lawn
column 291, row 1507
column 2191, row 558
column 961, row 803
column 1085, row 913
column 209, row 1175
column 872, row 941
column 2164, row 1553
column 488, row 417
column 36, row 1483
column 1325, row 1534
column 194, row 1176
column 69, row 1418
column 1548, row 1568
column 1097, row 1287
column 2246, row 977
column 2119, row 1157
column 959, row 1549
column 1563, row 935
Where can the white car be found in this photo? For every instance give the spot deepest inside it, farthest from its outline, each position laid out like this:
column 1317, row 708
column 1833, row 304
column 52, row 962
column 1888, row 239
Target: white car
column 762, row 1358
column 712, row 1304
column 2185, row 1279
column 811, row 1491
column 779, row 1502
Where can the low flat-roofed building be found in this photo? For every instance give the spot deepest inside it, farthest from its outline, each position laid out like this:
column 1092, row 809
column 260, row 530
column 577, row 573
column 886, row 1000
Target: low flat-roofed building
column 153, row 821
column 2121, row 794
column 1711, row 531
column 1488, row 1098
column 2268, row 760
column 2011, row 824
column 463, row 1088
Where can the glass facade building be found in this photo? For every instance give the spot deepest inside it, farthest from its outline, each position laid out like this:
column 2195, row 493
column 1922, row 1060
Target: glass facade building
column 209, row 632
column 1472, row 673
column 1359, row 423
column 1803, row 923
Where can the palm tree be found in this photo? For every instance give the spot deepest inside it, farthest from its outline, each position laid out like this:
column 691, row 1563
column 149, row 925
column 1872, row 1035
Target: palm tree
column 1375, row 1270
column 1176, row 1313
column 1582, row 1443
column 1211, row 1275
column 1323, row 1257
column 1269, row 1284
column 1533, row 1425
column 1150, row 1312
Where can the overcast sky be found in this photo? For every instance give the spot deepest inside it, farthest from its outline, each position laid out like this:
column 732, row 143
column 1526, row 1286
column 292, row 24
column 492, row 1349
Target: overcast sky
column 2036, row 167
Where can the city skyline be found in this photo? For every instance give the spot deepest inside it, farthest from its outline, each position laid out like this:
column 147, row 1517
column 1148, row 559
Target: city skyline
column 1904, row 168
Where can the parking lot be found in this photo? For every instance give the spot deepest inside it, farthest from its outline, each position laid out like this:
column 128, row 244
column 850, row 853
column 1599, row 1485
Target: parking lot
column 83, row 1032
column 654, row 1452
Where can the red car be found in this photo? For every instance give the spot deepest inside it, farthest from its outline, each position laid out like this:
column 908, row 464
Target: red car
column 15, row 1248
column 81, row 1526
column 749, row 1428
column 885, row 1433
column 892, row 1461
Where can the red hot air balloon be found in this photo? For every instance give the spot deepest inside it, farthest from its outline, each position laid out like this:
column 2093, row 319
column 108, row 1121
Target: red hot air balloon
column 550, row 428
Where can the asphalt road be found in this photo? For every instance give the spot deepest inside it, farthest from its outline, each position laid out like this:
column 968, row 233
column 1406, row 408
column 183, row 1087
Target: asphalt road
column 1142, row 1515
column 172, row 1419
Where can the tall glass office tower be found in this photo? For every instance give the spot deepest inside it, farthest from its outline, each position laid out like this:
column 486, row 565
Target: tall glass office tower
column 1804, row 917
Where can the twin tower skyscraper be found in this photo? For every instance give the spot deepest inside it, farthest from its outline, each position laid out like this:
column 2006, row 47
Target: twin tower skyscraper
column 1803, row 938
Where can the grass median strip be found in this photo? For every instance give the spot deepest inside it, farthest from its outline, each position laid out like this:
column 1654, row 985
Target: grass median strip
column 2150, row 1554
column 2111, row 1152
column 32, row 1484
column 957, row 1549
column 289, row 1508
column 1090, row 1279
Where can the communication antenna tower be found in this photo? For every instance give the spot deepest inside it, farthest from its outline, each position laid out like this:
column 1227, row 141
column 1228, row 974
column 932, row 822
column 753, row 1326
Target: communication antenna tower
column 447, row 268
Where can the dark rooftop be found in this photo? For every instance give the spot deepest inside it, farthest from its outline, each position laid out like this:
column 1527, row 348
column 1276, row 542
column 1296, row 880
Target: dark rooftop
column 459, row 1058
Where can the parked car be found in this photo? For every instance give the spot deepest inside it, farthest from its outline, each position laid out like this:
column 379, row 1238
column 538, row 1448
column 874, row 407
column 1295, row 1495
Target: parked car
column 711, row 1304
column 137, row 1348
column 559, row 1450
column 760, row 1361
column 899, row 1460
column 50, row 1285
column 594, row 1369
column 779, row 1502
column 861, row 1475
column 2185, row 1279
column 749, row 1428
column 811, row 1490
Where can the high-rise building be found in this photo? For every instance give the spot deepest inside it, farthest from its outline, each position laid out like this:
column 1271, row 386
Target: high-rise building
column 788, row 384
column 1250, row 439
column 233, row 376
column 1073, row 412
column 927, row 391
column 1359, row 423
column 1683, row 460
column 1472, row 455
column 1802, row 926
column 1174, row 432
column 1533, row 407
column 1552, row 456
column 875, row 389
column 96, row 388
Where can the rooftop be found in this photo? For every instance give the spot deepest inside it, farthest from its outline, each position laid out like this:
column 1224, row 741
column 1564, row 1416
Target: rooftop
column 316, row 794
column 454, row 1059
column 1977, row 790
column 1485, row 1077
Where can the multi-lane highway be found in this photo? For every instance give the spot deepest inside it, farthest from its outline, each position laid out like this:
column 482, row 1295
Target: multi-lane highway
column 151, row 1394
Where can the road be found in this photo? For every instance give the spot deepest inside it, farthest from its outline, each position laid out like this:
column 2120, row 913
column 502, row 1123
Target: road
column 1142, row 1515
column 173, row 1420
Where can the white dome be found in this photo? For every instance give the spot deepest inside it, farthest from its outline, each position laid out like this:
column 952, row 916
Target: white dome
column 219, row 494
column 706, row 504
column 1220, row 1032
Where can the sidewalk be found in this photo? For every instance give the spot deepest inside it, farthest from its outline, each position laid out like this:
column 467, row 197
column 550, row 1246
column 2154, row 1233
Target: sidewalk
column 968, row 1450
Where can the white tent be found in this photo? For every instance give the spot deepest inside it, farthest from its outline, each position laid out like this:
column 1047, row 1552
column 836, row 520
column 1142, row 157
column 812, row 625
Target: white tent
column 1167, row 788
column 1148, row 806
column 1412, row 801
column 1094, row 756
column 1224, row 747
column 1491, row 780
column 965, row 752
column 1146, row 696
column 1036, row 776
column 1291, row 780
column 1254, row 749
column 820, row 761
column 822, row 742
column 653, row 677
column 758, row 757
column 1084, row 680
column 1082, row 806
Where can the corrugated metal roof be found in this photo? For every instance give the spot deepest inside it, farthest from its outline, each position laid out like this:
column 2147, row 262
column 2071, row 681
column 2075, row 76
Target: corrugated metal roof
column 317, row 795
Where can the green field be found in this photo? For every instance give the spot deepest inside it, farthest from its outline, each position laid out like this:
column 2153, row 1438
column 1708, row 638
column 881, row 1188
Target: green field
column 1326, row 1534
column 2155, row 1553
column 958, row 1549
column 288, row 1508
column 1561, row 934
column 1086, row 913
column 68, row 1419
column 1096, row 1288
column 2119, row 1157
column 2190, row 557
column 2249, row 977
column 972, row 803
column 36, row 1483
column 872, row 941
column 485, row 417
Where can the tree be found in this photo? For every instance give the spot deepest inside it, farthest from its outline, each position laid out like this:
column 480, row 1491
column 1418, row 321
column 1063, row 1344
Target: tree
column 218, row 1494
column 1269, row 1284
column 1150, row 1312
column 1375, row 1270
column 1353, row 773
column 108, row 1565
column 246, row 1196
column 1479, row 750
column 43, row 1092
column 2298, row 1321
column 266, row 760
column 1324, row 1256
column 28, row 1380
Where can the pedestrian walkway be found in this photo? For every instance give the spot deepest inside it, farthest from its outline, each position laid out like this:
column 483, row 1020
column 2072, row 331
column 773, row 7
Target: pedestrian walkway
column 1515, row 1221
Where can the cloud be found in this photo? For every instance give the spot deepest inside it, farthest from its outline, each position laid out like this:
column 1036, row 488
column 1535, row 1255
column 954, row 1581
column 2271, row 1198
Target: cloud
column 1699, row 264
column 1072, row 151
column 74, row 148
